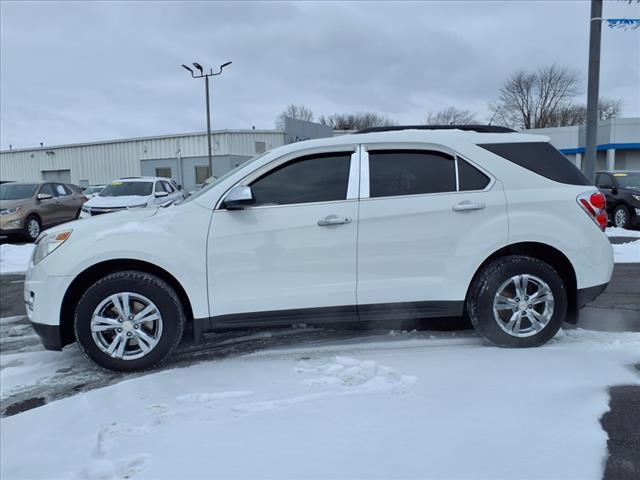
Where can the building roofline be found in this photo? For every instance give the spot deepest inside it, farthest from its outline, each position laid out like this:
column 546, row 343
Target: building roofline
column 138, row 139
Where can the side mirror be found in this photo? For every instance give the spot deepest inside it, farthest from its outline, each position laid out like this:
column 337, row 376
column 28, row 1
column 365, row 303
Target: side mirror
column 161, row 194
column 614, row 190
column 179, row 187
column 44, row 196
column 238, row 197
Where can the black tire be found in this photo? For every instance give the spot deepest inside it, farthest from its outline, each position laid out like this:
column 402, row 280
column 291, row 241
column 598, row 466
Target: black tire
column 30, row 234
column 485, row 286
column 141, row 283
column 621, row 217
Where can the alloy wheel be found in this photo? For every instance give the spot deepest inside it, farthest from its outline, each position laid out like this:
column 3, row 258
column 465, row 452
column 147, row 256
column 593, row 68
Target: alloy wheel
column 33, row 227
column 126, row 325
column 620, row 218
column 523, row 305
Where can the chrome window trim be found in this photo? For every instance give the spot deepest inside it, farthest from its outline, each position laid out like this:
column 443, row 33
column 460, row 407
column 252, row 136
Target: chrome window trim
column 365, row 175
column 275, row 163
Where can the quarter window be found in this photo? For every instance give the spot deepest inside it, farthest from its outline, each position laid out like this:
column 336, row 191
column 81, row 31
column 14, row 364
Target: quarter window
column 410, row 172
column 314, row 178
column 470, row 178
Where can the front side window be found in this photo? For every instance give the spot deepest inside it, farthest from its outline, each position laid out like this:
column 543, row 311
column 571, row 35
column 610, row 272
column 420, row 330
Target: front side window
column 314, row 178
column 47, row 189
column 123, row 189
column 410, row 172
column 168, row 187
column 160, row 187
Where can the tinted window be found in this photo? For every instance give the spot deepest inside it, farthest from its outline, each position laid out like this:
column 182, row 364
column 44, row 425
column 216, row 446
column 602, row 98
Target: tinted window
column 470, row 178
column 409, row 172
column 540, row 158
column 317, row 178
column 9, row 191
column 122, row 189
column 604, row 180
column 48, row 189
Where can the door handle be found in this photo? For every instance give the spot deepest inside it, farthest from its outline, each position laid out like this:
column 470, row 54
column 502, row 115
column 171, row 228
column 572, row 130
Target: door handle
column 467, row 206
column 333, row 220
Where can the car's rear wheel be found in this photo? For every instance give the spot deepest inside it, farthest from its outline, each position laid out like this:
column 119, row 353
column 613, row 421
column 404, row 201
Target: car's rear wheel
column 129, row 321
column 32, row 228
column 517, row 301
column 621, row 216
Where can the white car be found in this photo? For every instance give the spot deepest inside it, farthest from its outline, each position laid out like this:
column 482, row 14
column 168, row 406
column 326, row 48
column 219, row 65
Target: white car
column 392, row 225
column 132, row 192
column 93, row 190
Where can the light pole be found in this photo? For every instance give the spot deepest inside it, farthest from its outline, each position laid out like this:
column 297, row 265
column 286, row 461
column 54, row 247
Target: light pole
column 206, row 84
column 590, row 149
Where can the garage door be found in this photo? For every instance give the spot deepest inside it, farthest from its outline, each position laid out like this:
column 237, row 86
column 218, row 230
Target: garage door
column 57, row 176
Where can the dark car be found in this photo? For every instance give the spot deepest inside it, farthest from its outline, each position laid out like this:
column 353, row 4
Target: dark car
column 622, row 189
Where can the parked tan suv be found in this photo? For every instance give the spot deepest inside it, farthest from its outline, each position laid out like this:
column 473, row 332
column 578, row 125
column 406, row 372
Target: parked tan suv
column 27, row 208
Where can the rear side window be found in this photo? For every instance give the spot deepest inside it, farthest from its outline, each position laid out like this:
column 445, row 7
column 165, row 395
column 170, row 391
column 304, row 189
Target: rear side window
column 410, row 172
column 470, row 178
column 315, row 178
column 540, row 158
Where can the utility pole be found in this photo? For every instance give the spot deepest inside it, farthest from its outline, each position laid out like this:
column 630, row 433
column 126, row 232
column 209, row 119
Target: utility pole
column 206, row 86
column 593, row 86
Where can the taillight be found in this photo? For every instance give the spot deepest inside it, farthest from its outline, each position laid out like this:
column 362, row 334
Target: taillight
column 594, row 204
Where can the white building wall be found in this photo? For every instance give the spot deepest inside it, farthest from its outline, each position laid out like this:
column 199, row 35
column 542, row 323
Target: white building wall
column 101, row 162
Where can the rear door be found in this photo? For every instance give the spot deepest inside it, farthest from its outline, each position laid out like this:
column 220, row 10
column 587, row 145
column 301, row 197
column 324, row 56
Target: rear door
column 66, row 203
column 427, row 219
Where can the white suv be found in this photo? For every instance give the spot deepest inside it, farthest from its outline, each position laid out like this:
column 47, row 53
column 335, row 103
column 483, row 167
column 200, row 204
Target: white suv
column 486, row 222
column 132, row 192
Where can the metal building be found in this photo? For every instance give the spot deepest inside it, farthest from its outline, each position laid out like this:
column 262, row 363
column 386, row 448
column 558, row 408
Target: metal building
column 182, row 157
column 618, row 146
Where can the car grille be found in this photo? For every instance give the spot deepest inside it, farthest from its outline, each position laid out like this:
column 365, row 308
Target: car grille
column 100, row 211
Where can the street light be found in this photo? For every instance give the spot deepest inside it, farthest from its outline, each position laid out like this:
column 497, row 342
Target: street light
column 206, row 76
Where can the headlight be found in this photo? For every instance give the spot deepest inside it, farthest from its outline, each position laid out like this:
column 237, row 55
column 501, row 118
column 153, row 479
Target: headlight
column 85, row 209
column 48, row 243
column 637, row 197
column 142, row 205
column 9, row 211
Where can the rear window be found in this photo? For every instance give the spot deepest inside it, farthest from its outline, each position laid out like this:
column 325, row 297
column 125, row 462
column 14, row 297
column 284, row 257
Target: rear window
column 540, row 158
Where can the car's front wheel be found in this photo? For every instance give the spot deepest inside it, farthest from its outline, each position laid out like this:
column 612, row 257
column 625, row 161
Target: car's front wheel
column 32, row 228
column 517, row 301
column 129, row 321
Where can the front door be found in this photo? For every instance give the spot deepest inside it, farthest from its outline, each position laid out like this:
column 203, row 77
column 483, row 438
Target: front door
column 292, row 254
column 48, row 208
column 427, row 219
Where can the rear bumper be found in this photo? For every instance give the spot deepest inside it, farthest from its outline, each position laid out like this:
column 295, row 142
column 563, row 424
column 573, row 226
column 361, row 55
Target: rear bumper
column 586, row 295
column 49, row 335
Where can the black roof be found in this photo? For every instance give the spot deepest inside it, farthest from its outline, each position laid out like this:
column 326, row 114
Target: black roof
column 469, row 128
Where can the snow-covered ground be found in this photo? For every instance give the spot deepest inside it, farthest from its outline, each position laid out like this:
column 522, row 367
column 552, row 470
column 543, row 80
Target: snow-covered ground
column 622, row 232
column 15, row 258
column 402, row 406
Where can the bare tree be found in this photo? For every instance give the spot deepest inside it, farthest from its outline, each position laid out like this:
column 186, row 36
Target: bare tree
column 570, row 114
column 531, row 99
column 355, row 121
column 298, row 112
column 451, row 116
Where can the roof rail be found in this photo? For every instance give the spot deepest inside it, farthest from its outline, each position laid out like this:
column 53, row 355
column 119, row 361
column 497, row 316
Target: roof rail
column 469, row 128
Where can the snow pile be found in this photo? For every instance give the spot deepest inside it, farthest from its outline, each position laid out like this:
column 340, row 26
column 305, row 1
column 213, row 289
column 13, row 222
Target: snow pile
column 621, row 232
column 627, row 252
column 411, row 408
column 15, row 258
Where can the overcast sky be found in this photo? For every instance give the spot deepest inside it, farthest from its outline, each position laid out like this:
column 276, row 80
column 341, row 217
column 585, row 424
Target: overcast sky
column 79, row 72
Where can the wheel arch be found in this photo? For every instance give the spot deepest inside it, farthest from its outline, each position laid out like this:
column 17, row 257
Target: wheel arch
column 89, row 276
column 548, row 254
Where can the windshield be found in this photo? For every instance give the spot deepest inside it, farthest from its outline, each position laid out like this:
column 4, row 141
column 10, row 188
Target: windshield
column 124, row 189
column 208, row 186
column 90, row 190
column 11, row 191
column 628, row 180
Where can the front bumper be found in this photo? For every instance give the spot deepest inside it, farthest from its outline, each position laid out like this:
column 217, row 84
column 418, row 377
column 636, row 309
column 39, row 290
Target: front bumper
column 43, row 296
column 49, row 335
column 11, row 224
